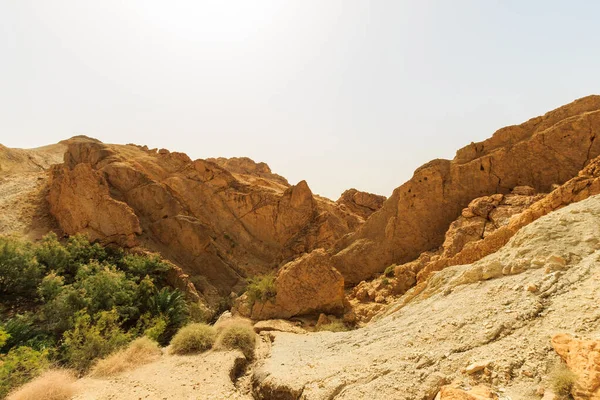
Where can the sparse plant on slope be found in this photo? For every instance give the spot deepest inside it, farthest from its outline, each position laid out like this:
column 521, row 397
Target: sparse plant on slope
column 335, row 326
column 390, row 271
column 193, row 338
column 51, row 385
column 562, row 380
column 261, row 288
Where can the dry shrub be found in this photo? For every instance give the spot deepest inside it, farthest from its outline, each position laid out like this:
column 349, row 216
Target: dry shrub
column 139, row 352
column 51, row 385
column 335, row 326
column 237, row 333
column 562, row 380
column 193, row 338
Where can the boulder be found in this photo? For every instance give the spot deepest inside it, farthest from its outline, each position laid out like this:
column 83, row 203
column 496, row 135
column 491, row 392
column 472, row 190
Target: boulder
column 451, row 392
column 307, row 285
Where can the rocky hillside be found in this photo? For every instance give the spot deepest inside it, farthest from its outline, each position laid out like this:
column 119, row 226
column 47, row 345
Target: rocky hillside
column 539, row 153
column 220, row 221
column 489, row 322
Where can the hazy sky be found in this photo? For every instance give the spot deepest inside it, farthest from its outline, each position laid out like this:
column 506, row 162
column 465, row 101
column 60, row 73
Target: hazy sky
column 340, row 93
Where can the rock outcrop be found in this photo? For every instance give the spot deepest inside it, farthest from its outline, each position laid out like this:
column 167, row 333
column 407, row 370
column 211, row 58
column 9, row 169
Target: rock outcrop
column 245, row 166
column 307, row 285
column 583, row 358
column 539, row 153
column 478, row 323
column 204, row 218
column 361, row 203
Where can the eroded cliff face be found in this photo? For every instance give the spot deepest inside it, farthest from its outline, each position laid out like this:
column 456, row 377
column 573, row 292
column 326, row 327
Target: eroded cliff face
column 539, row 153
column 214, row 223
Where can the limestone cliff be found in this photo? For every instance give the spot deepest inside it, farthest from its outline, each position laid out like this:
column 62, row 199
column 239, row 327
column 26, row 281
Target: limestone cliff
column 213, row 222
column 539, row 153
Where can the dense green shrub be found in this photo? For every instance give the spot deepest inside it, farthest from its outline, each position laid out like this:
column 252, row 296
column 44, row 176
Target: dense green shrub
column 261, row 288
column 75, row 301
column 193, row 338
column 20, row 273
column 20, row 365
column 139, row 266
column 4, row 336
column 89, row 340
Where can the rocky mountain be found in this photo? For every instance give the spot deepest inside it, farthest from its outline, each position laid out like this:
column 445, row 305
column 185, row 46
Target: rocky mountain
column 539, row 153
column 221, row 221
column 473, row 280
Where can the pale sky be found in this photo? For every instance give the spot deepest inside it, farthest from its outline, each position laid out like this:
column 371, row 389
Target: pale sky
column 340, row 93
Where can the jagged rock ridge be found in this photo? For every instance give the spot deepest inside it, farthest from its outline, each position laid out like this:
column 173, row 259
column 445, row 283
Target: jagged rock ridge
column 214, row 223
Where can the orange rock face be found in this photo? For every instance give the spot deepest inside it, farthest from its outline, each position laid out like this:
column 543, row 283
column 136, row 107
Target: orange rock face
column 450, row 392
column 212, row 222
column 541, row 152
column 307, row 285
column 583, row 358
column 361, row 203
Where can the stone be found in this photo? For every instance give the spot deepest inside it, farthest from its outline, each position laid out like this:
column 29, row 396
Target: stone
column 278, row 325
column 481, row 392
column 307, row 285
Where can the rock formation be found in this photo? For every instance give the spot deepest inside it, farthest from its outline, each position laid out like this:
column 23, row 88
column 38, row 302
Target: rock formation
column 214, row 223
column 361, row 203
column 307, row 285
column 539, row 153
column 489, row 323
column 583, row 358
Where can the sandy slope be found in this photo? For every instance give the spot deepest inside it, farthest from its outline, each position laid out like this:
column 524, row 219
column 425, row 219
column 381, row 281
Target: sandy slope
column 503, row 309
column 205, row 376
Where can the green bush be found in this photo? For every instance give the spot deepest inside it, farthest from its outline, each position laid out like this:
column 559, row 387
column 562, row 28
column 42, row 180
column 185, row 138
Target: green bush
column 50, row 253
column 4, row 336
column 238, row 336
column 89, row 340
column 20, row 272
column 140, row 266
column 261, row 288
column 19, row 366
column 193, row 338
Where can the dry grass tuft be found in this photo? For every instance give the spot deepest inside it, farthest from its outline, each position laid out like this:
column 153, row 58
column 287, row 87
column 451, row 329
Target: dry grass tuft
column 237, row 333
column 562, row 380
column 335, row 326
column 193, row 338
column 139, row 352
column 51, row 385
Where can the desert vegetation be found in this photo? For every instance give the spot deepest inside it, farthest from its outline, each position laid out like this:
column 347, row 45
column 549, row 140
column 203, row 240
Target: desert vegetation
column 71, row 303
column 194, row 338
column 261, row 288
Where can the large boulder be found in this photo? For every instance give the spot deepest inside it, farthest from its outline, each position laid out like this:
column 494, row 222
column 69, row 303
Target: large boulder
column 307, row 285
column 80, row 200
